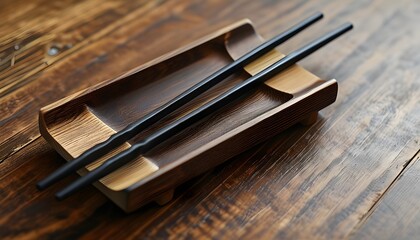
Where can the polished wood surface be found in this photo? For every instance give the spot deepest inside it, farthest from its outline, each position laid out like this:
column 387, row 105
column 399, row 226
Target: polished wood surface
column 354, row 173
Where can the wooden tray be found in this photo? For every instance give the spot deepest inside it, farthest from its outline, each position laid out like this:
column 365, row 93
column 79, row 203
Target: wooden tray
column 81, row 120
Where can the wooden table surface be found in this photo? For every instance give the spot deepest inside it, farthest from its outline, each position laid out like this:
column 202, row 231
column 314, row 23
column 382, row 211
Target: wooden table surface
column 355, row 173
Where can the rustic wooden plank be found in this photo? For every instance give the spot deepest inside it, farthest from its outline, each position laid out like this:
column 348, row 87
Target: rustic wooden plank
column 397, row 213
column 316, row 182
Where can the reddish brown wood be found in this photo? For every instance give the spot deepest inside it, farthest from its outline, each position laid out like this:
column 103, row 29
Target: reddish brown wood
column 322, row 181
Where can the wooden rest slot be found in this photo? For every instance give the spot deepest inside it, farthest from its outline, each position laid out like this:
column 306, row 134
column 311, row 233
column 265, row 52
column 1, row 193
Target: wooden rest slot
column 85, row 130
column 295, row 80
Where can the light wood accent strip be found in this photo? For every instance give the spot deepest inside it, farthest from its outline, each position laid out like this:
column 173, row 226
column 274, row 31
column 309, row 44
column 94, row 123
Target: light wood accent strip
column 293, row 80
column 82, row 132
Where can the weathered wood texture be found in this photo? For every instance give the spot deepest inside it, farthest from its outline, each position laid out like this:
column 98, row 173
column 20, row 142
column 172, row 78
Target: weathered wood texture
column 354, row 173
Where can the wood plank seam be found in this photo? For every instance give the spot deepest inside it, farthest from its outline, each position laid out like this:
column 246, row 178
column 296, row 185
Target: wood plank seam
column 18, row 148
column 410, row 162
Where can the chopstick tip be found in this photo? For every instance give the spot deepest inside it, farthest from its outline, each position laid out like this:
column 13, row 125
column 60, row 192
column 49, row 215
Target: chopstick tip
column 60, row 196
column 41, row 186
column 319, row 14
column 316, row 16
column 348, row 25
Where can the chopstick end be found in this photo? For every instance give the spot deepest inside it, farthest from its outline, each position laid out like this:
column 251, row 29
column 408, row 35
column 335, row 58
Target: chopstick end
column 41, row 185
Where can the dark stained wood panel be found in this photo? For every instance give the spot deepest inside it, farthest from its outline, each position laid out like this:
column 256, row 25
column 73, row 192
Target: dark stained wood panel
column 334, row 179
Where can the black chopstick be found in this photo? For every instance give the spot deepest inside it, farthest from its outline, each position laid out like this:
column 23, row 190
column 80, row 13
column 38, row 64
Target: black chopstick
column 136, row 127
column 156, row 138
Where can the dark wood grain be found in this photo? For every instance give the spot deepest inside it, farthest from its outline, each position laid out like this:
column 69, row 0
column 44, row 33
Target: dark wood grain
column 330, row 180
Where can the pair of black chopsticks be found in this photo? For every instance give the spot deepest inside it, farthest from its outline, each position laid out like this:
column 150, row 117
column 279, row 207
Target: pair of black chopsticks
column 156, row 138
